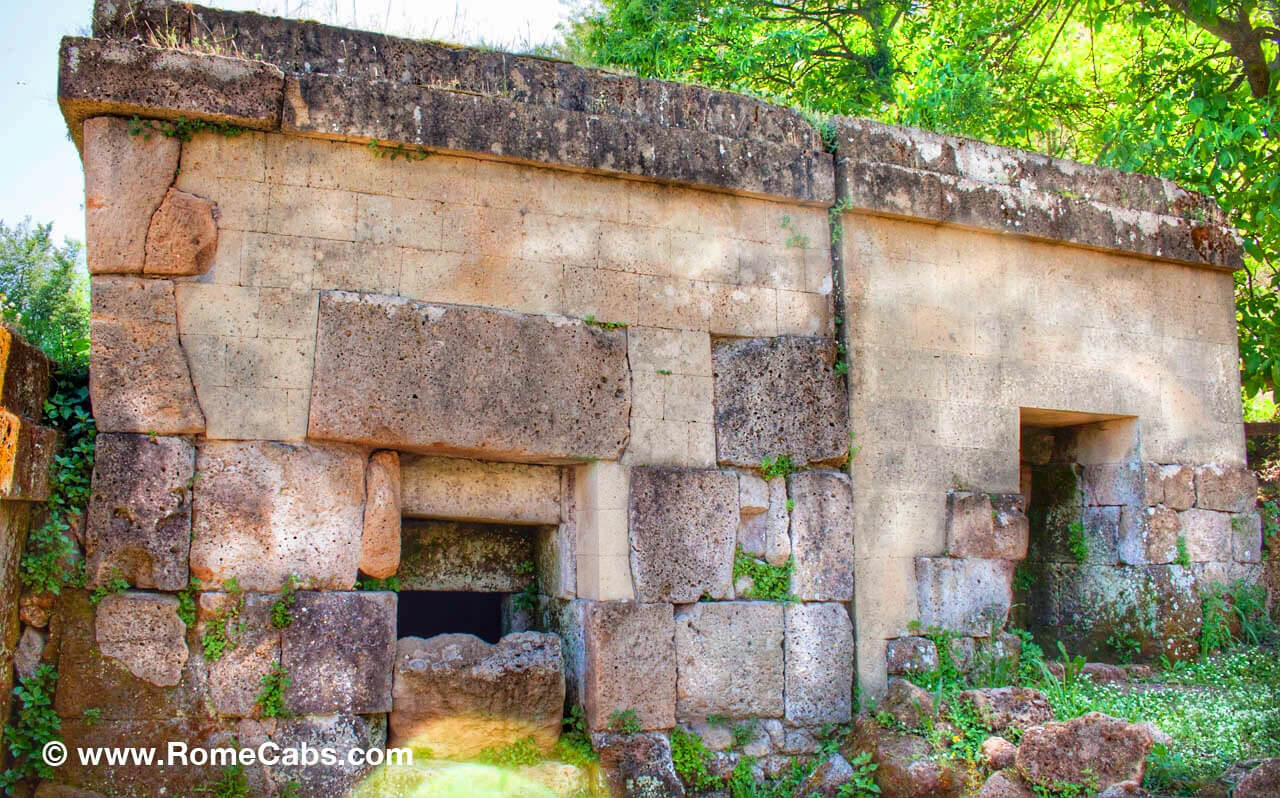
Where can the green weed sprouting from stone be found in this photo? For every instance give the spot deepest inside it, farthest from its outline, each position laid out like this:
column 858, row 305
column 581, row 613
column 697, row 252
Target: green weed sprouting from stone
column 1076, row 543
column 665, row 372
column 1183, row 557
column 768, row 582
column 291, row 789
column 527, row 599
column 274, row 684
column 1125, row 645
column 835, row 220
column 518, row 754
column 744, row 732
column 692, row 760
column 604, row 325
column 1023, row 578
column 282, row 609
column 779, row 465
column 182, row 129
column 574, row 745
column 118, row 584
column 796, row 239
column 91, row 716
column 233, row 784
column 391, row 583
column 394, row 151
column 863, row 783
column 1270, row 511
column 187, row 602
column 842, row 367
column 625, row 721
column 34, row 723
column 223, row 631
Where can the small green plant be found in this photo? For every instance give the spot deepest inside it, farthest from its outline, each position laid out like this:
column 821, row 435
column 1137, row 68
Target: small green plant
column 1076, row 543
column 842, row 367
column 518, row 754
column 574, row 745
column 291, row 789
column 181, row 129
column 853, row 448
column 863, row 782
column 1023, row 577
column 223, row 630
column 604, row 325
column 34, row 724
column 744, row 732
column 779, row 465
column 233, row 784
column 742, row 779
column 1125, row 645
column 282, row 609
column 625, row 721
column 796, row 238
column 791, row 505
column 665, row 372
column 274, row 684
column 187, row 602
column 835, row 218
column 117, row 585
column 768, row 582
column 1270, row 511
column 91, row 716
column 391, row 583
column 394, row 151
column 527, row 599
column 692, row 760
column 1184, row 557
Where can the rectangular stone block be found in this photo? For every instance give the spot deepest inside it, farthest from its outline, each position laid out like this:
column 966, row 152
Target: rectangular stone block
column 822, row 535
column 1231, row 489
column 1171, row 485
column 1149, row 535
column 447, row 378
column 1113, row 483
column 1246, row 537
column 472, row 490
column 729, row 660
column 235, row 678
column 142, row 631
column 265, row 511
column 24, row 376
column 966, row 596
column 778, row 396
column 630, row 663
column 819, row 671
column 340, row 652
column 27, row 452
column 454, row 555
column 139, row 519
column 1208, row 535
column 683, row 528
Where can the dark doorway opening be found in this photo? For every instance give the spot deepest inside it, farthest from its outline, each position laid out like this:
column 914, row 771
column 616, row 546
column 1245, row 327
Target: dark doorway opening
column 426, row 613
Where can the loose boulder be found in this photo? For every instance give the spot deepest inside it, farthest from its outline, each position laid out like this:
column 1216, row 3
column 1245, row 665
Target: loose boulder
column 1095, row 749
column 1010, row 707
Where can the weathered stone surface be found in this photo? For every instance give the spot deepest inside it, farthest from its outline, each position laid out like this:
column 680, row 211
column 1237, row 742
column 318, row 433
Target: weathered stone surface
column 638, row 765
column 138, row 375
column 1105, row 672
column 125, row 180
column 182, row 237
column 446, row 377
column 767, row 535
column 630, row 663
column 1174, row 486
column 266, row 511
column 1263, row 780
column 235, row 678
column 753, row 494
column 904, row 766
column 1004, row 784
column 380, row 541
column 822, row 535
column 26, row 455
column 998, row 753
column 34, row 609
column 827, row 778
column 452, row 555
column 905, row 655
column 776, row 396
column 1094, row 748
column 24, row 375
column 907, row 703
column 1208, row 535
column 339, row 651
column 1148, row 535
column 144, row 633
column 965, row 596
column 124, row 79
column 729, row 660
column 339, row 733
column 683, row 528
column 47, row 789
column 30, row 651
column 459, row 695
column 970, row 525
column 1246, row 537
column 471, row 490
column 1009, row 707
column 139, row 520
column 1113, row 484
column 819, row 663
column 1125, row 789
column 1230, row 489
column 1011, row 528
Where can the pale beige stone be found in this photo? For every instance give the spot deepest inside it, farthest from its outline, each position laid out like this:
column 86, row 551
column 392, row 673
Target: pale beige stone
column 630, row 663
column 473, row 490
column 380, row 540
column 729, row 660
column 819, row 663
column 125, row 180
column 1207, row 534
column 183, row 236
column 389, row 220
column 143, row 631
column 753, row 494
column 323, row 213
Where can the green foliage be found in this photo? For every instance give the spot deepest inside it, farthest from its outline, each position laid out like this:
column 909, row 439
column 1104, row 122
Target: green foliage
column 527, row 599
column 47, row 561
column 744, row 732
column 779, row 465
column 223, row 630
column 796, row 238
column 1023, row 577
column 1076, row 543
column 394, row 151
column 291, row 789
column 625, row 721
column 665, row 372
column 391, row 583
column 1183, row 557
column 768, row 582
column 1225, row 609
column 604, row 325
column 44, row 295
column 742, row 781
column 233, row 784
column 1125, row 645
column 91, row 716
column 271, row 697
column 692, row 760
column 187, row 602
column 574, row 745
column 182, row 129
column 1270, row 511
column 518, row 754
column 282, row 608
column 34, row 724
column 863, row 783
column 116, row 585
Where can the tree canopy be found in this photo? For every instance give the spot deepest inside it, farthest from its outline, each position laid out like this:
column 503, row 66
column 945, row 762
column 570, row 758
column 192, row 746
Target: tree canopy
column 43, row 294
column 1184, row 89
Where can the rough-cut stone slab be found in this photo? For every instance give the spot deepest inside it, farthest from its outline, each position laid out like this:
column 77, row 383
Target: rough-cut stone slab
column 143, row 631
column 986, row 526
column 338, row 733
column 1174, row 486
column 24, row 375
column 778, row 396
column 183, row 236
column 904, row 765
column 767, row 535
column 30, row 652
column 125, row 180
column 470, row 490
column 266, row 511
column 452, row 555
column 908, row 703
column 1148, row 535
column 27, row 451
column 964, row 596
column 459, row 695
column 1004, row 784
column 1246, row 537
column 235, row 678
column 1010, row 707
column 683, row 527
column 1261, row 781
column 729, row 660
column 380, row 541
column 638, row 765
column 138, row 375
column 906, row 655
column 139, row 520
column 819, row 669
column 1231, row 489
column 1094, row 749
column 822, row 535
column 630, row 663
column 124, row 79
column 339, row 651
column 1208, row 535
column 467, row 381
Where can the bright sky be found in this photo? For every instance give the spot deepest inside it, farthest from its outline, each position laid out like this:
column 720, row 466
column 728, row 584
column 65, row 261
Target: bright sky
column 40, row 170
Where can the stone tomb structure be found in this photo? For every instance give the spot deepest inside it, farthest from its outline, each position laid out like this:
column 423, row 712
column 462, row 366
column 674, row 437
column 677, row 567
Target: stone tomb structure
column 523, row 337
